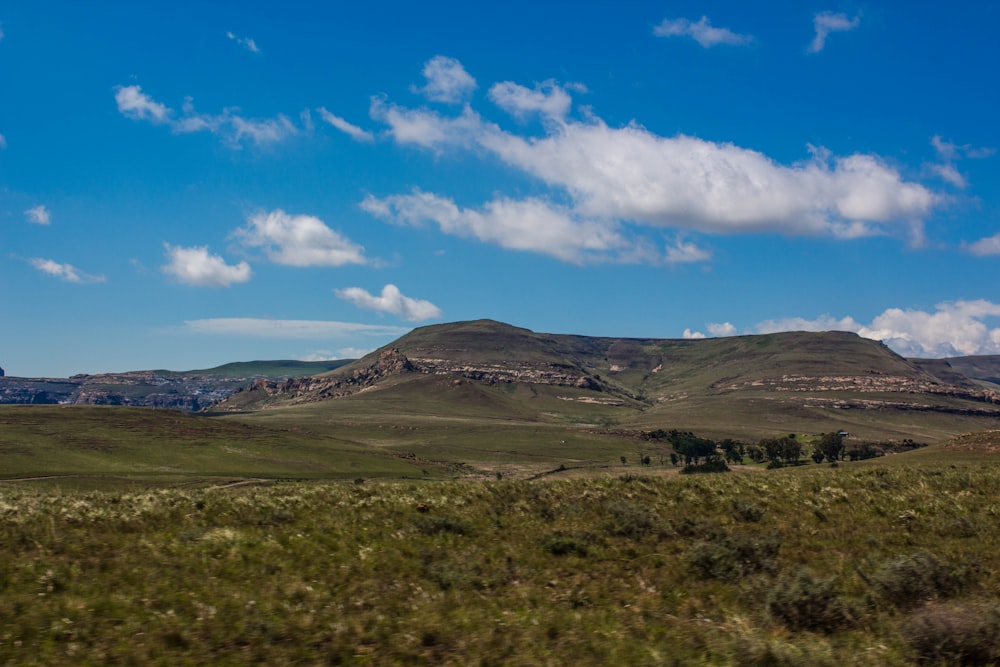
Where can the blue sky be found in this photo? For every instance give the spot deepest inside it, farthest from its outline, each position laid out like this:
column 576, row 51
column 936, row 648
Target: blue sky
column 186, row 184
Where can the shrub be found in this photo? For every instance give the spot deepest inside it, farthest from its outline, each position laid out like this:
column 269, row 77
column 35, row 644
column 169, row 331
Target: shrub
column 906, row 581
column 712, row 465
column 629, row 519
column 731, row 556
column 942, row 634
column 434, row 525
column 560, row 544
column 808, row 603
column 746, row 511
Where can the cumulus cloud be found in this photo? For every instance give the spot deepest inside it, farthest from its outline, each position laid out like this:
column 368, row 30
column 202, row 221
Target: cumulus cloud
column 66, row 272
column 701, row 31
column 693, row 335
column 234, row 130
column 447, row 81
column 38, row 215
column 631, row 174
column 299, row 240
column 197, row 267
column 721, row 329
column 246, row 42
column 827, row 22
column 353, row 131
column 954, row 328
column 985, row 247
column 391, row 301
column 288, row 329
column 529, row 224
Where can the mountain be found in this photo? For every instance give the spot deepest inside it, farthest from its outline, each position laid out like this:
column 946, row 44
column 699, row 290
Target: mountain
column 185, row 390
column 749, row 384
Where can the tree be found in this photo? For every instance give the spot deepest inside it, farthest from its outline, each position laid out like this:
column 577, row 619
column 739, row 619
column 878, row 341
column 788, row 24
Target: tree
column 832, row 446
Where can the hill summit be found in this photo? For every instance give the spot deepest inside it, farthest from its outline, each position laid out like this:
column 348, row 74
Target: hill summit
column 650, row 379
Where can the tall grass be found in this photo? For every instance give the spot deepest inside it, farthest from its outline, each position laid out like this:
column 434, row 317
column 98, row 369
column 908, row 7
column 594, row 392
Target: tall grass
column 792, row 567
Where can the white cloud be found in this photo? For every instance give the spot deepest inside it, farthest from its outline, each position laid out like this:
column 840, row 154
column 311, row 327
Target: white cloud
column 957, row 328
column 714, row 329
column 447, row 81
column 245, row 42
column 38, row 215
column 629, row 175
column 390, row 301
column 701, row 32
column 530, row 224
column 137, row 105
column 352, row 131
column 428, row 129
column 66, row 272
column 721, row 329
column 195, row 266
column 547, row 99
column 230, row 126
column 288, row 329
column 985, row 247
column 684, row 252
column 1, row 32
column 949, row 153
column 3, row 141
column 299, row 240
column 827, row 22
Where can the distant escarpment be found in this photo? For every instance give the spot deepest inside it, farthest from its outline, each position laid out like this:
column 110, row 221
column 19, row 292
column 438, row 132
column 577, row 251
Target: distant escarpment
column 188, row 391
column 827, row 370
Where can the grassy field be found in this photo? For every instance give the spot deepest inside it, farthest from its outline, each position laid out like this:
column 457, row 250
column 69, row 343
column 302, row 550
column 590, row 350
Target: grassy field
column 113, row 441
column 894, row 561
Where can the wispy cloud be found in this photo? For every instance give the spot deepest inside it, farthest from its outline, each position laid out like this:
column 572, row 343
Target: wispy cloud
column 289, row 329
column 38, row 215
column 1, row 31
column 299, row 240
column 233, row 128
column 391, row 301
column 197, row 267
column 955, row 328
column 948, row 155
column 245, row 42
column 827, row 22
column 349, row 129
column 66, row 272
column 447, row 81
column 700, row 31
column 3, row 141
column 986, row 247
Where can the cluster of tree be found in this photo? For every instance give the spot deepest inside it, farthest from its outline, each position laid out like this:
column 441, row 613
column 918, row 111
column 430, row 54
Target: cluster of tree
column 685, row 447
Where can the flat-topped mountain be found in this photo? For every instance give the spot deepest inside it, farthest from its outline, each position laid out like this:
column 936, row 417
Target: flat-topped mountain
column 650, row 381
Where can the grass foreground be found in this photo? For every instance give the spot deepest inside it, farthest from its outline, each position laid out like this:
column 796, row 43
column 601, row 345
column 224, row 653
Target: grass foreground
column 861, row 564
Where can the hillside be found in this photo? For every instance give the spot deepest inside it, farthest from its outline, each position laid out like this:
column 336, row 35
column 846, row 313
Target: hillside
column 182, row 390
column 748, row 386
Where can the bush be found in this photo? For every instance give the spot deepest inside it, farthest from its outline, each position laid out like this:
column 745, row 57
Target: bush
column 807, row 603
column 714, row 465
column 746, row 511
column 731, row 556
column 942, row 634
column 906, row 581
column 630, row 519
column 560, row 544
column 435, row 525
